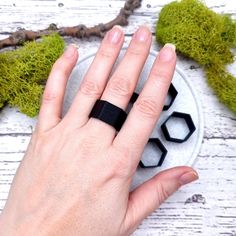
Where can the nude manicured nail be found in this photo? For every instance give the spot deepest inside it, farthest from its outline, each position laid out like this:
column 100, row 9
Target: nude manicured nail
column 167, row 53
column 115, row 34
column 143, row 34
column 70, row 51
column 75, row 45
column 188, row 177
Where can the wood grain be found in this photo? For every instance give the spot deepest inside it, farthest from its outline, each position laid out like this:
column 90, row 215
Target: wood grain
column 207, row 207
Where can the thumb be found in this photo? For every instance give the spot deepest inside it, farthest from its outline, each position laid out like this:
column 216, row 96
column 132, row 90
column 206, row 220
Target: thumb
column 148, row 196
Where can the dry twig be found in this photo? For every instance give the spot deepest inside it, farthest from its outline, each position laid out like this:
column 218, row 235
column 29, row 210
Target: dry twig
column 79, row 31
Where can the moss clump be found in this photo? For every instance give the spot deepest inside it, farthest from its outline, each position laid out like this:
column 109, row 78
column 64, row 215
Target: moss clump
column 204, row 36
column 23, row 73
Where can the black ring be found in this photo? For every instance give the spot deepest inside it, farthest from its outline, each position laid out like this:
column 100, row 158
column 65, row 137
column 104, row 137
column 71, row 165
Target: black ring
column 108, row 113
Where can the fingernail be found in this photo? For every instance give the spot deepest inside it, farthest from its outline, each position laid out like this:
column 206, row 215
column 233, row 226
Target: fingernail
column 142, row 34
column 75, row 45
column 70, row 51
column 167, row 52
column 115, row 34
column 188, row 177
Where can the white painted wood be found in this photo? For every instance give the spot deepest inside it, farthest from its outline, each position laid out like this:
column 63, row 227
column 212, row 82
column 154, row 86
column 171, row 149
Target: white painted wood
column 214, row 213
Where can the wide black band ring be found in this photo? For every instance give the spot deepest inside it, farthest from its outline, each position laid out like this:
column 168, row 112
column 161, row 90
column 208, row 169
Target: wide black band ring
column 108, row 113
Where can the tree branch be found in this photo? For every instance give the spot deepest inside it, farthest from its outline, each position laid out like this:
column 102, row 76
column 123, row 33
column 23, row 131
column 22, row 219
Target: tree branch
column 79, row 31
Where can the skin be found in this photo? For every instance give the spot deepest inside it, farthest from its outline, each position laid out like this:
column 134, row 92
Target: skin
column 76, row 174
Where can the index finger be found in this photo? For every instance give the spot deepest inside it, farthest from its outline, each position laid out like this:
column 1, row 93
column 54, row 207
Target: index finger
column 146, row 110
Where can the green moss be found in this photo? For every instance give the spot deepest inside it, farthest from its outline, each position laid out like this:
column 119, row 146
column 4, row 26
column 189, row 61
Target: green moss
column 23, row 73
column 224, row 85
column 204, row 36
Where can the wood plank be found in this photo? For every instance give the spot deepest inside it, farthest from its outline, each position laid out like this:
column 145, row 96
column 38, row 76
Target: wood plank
column 207, row 207
column 217, row 210
column 16, row 14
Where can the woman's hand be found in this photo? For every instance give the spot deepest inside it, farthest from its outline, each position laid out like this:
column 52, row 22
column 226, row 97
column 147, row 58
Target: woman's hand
column 76, row 174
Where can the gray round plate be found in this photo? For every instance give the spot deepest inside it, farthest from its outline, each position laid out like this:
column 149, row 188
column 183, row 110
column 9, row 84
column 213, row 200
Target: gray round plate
column 187, row 101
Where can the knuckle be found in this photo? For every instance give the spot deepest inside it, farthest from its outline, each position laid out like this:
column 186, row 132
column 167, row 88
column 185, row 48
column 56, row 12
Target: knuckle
column 90, row 88
column 87, row 146
column 162, row 193
column 147, row 107
column 105, row 53
column 60, row 68
column 122, row 163
column 120, row 86
column 162, row 77
column 49, row 97
column 59, row 64
column 43, row 142
column 135, row 51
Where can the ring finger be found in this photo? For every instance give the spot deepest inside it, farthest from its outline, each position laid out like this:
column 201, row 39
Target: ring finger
column 120, row 87
column 148, row 105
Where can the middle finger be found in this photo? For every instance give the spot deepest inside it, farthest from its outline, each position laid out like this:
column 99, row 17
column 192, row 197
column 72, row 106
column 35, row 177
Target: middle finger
column 123, row 82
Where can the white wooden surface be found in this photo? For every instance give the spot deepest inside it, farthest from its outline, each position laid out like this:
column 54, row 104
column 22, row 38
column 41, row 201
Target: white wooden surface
column 207, row 207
